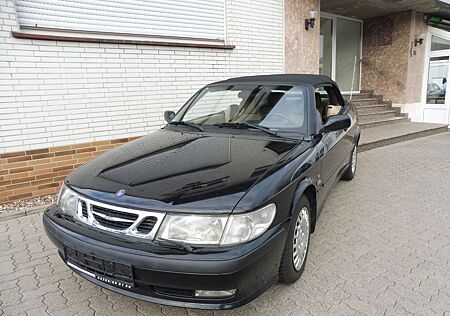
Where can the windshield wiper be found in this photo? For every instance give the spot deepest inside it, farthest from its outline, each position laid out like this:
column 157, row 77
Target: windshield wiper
column 185, row 123
column 247, row 126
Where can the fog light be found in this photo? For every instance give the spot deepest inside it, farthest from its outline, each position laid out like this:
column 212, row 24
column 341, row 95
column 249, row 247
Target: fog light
column 208, row 293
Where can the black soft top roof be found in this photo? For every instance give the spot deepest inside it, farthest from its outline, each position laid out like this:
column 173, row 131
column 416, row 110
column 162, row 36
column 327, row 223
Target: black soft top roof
column 292, row 79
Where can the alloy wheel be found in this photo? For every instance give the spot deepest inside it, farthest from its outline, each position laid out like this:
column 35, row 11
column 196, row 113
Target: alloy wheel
column 301, row 238
column 354, row 160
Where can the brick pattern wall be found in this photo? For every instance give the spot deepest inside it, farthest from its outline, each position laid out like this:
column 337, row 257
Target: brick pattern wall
column 56, row 93
column 25, row 174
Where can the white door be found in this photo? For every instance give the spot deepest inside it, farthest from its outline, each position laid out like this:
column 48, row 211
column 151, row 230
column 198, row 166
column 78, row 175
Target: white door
column 437, row 95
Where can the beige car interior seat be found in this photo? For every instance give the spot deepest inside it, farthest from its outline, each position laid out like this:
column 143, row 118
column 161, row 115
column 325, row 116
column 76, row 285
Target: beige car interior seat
column 333, row 110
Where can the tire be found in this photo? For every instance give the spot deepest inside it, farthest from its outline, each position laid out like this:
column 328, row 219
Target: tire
column 350, row 172
column 289, row 271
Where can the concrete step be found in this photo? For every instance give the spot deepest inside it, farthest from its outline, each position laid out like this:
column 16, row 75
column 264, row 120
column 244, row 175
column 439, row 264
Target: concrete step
column 367, row 101
column 379, row 104
column 374, row 137
column 358, row 96
column 381, row 122
column 368, row 117
column 377, row 108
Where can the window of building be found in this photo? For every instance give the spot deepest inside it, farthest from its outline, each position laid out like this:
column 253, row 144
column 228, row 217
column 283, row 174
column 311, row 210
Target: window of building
column 436, row 96
column 194, row 19
column 437, row 79
column 439, row 43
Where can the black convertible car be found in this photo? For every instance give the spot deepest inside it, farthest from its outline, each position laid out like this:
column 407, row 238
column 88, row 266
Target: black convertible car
column 218, row 205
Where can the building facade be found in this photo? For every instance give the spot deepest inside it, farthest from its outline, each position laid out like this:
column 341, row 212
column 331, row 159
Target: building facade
column 81, row 77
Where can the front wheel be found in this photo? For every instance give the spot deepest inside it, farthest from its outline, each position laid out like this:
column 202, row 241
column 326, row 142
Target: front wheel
column 297, row 244
column 350, row 172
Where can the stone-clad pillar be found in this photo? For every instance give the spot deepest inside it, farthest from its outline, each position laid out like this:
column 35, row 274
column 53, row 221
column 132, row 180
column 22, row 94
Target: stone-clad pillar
column 392, row 64
column 301, row 47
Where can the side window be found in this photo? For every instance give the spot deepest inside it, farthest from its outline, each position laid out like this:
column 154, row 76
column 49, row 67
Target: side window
column 333, row 96
column 327, row 102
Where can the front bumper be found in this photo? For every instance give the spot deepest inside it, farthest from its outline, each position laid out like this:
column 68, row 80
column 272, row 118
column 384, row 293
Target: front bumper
column 172, row 277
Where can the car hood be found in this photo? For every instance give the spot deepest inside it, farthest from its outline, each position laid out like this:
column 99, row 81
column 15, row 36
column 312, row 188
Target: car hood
column 174, row 171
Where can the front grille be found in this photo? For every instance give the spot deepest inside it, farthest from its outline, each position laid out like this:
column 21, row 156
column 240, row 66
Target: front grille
column 112, row 218
column 173, row 292
column 137, row 223
column 112, row 224
column 147, row 225
column 84, row 211
column 114, row 213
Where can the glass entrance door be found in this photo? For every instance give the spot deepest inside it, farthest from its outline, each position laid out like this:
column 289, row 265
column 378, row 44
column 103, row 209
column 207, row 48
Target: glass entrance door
column 340, row 50
column 437, row 104
column 326, row 47
column 348, row 54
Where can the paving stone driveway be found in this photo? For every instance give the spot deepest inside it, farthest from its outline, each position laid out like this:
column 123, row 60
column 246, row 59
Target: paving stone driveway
column 382, row 246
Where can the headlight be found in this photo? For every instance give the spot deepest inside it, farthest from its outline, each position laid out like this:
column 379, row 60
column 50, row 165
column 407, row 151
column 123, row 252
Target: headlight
column 246, row 227
column 193, row 229
column 217, row 230
column 68, row 201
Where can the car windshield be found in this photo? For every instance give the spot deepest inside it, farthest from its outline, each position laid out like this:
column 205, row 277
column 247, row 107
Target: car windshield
column 274, row 107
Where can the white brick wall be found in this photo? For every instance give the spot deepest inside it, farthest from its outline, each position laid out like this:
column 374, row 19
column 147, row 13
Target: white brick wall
column 57, row 93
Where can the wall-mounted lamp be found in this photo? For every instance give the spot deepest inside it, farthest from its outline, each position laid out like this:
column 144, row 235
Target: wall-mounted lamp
column 419, row 39
column 309, row 23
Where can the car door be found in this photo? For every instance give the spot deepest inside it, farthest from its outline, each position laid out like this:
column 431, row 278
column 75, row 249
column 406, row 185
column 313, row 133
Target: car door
column 332, row 146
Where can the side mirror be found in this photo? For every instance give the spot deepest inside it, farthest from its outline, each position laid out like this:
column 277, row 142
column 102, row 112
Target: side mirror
column 169, row 115
column 336, row 123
